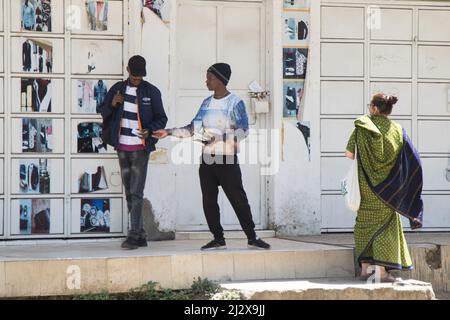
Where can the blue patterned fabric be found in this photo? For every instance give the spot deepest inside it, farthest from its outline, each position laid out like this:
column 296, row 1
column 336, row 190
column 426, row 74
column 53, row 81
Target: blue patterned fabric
column 402, row 189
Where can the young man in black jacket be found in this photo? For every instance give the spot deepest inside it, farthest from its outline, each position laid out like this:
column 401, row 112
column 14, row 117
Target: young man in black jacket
column 132, row 111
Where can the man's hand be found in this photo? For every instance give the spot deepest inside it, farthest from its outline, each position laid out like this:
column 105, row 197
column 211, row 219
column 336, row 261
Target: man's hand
column 118, row 99
column 145, row 134
column 160, row 134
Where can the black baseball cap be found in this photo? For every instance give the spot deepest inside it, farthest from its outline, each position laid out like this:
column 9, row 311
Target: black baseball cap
column 136, row 64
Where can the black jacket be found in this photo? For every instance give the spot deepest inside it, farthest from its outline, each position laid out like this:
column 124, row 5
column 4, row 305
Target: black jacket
column 151, row 113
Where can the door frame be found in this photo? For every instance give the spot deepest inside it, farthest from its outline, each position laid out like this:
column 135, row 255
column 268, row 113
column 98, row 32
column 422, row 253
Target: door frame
column 263, row 121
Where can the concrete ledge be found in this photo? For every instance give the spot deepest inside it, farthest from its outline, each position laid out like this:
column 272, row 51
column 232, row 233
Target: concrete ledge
column 330, row 289
column 57, row 269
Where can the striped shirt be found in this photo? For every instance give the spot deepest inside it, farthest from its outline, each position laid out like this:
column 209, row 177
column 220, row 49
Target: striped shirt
column 130, row 124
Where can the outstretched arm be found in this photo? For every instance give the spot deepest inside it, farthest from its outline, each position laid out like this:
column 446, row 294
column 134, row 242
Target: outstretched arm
column 182, row 132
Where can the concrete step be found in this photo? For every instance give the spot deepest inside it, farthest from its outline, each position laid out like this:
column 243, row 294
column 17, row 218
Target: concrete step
column 206, row 235
column 430, row 252
column 43, row 270
column 329, row 289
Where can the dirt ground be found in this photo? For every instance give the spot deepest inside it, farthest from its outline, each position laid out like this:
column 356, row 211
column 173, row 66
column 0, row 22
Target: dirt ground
column 442, row 295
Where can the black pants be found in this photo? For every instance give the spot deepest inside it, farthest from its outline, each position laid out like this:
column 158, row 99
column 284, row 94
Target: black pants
column 133, row 166
column 229, row 177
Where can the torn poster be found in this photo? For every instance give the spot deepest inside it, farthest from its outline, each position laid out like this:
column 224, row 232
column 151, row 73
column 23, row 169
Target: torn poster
column 160, row 7
column 292, row 96
column 36, row 15
column 305, row 129
column 295, row 4
column 97, row 11
column 295, row 41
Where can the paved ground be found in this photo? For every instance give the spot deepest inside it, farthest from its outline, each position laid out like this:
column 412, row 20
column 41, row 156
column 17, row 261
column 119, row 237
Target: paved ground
column 111, row 249
column 442, row 295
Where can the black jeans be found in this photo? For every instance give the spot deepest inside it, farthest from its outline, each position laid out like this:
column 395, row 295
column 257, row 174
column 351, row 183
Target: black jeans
column 133, row 166
column 229, row 177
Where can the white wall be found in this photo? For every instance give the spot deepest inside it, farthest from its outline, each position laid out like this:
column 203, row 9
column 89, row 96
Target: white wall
column 295, row 196
column 152, row 41
column 294, row 191
column 295, row 206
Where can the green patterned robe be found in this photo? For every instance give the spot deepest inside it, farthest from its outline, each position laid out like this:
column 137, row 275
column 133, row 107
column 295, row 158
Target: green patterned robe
column 379, row 237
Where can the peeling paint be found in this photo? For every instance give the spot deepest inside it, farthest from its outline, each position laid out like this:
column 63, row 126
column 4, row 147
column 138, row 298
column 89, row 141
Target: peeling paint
column 151, row 224
column 434, row 258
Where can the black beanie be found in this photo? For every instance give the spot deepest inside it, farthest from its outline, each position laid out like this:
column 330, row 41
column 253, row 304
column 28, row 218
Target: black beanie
column 222, row 71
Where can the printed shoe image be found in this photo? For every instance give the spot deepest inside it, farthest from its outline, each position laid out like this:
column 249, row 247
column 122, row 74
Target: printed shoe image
column 23, row 177
column 32, row 137
column 43, row 135
column 85, row 183
column 33, row 176
column 99, row 179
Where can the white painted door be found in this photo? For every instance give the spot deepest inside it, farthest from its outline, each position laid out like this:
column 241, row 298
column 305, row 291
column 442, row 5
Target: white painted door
column 407, row 54
column 208, row 32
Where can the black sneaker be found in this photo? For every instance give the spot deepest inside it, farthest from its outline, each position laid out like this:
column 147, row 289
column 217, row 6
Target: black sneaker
column 215, row 245
column 258, row 243
column 142, row 242
column 130, row 243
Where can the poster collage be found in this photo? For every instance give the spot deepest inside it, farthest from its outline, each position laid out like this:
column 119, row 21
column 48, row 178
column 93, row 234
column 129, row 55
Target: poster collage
column 38, row 95
column 296, row 35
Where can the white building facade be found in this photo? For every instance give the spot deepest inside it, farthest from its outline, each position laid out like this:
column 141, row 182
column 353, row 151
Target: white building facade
column 52, row 164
